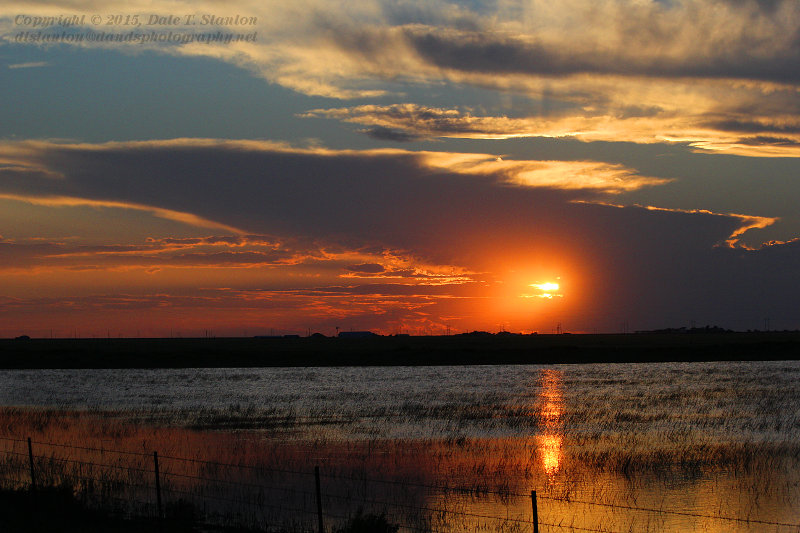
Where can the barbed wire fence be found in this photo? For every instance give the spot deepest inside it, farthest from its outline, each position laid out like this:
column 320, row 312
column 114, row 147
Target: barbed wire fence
column 134, row 484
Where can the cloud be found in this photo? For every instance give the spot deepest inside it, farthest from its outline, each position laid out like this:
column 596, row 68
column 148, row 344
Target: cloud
column 748, row 125
column 366, row 268
column 221, row 252
column 32, row 64
column 748, row 222
column 564, row 175
column 655, row 56
column 692, row 67
column 184, row 169
column 457, row 226
column 639, row 125
column 167, row 214
column 426, row 121
column 387, row 134
column 288, row 266
column 255, row 312
column 295, row 190
column 38, row 255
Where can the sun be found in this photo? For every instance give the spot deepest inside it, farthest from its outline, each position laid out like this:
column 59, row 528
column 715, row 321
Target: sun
column 547, row 289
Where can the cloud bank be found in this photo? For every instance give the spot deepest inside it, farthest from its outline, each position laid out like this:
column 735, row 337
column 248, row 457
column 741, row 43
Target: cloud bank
column 718, row 75
column 383, row 238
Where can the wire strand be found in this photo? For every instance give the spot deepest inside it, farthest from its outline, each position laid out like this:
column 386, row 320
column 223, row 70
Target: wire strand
column 432, row 487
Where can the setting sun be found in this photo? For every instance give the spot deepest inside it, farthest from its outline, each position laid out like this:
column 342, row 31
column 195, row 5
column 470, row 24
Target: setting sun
column 549, row 286
column 548, row 289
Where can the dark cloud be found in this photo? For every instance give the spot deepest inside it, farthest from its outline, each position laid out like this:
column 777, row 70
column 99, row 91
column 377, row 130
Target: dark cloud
column 752, row 126
column 481, row 52
column 388, row 134
column 764, row 6
column 737, row 42
column 489, row 53
column 411, row 121
column 234, row 258
column 767, row 140
column 635, row 111
column 392, row 198
column 201, row 251
column 392, row 289
column 367, row 268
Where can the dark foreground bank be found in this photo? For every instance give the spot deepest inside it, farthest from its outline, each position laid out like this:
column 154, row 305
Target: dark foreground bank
column 394, row 351
column 57, row 509
column 51, row 510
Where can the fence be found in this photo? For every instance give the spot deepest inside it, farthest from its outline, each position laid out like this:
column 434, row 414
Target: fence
column 145, row 484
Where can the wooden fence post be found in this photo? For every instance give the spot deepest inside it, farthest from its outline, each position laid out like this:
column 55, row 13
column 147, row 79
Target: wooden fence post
column 319, row 500
column 30, row 458
column 33, row 477
column 158, row 486
column 535, row 512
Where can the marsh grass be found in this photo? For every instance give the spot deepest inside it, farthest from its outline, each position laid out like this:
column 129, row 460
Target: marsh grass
column 450, row 454
column 258, row 479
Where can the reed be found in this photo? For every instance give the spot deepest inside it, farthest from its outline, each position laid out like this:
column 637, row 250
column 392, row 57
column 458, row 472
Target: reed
column 261, row 478
column 447, row 454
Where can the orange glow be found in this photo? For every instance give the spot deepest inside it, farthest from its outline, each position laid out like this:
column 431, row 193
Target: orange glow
column 513, row 300
column 548, row 290
column 550, row 447
column 551, row 410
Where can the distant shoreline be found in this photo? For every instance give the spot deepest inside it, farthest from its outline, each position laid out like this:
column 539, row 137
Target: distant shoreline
column 396, row 351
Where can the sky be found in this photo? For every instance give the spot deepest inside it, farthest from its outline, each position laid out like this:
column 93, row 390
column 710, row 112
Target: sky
column 248, row 167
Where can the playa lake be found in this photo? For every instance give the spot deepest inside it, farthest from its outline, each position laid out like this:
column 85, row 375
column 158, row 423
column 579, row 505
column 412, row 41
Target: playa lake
column 608, row 447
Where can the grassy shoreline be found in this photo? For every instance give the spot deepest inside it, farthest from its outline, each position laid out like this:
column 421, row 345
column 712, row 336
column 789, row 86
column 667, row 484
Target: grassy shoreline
column 396, row 351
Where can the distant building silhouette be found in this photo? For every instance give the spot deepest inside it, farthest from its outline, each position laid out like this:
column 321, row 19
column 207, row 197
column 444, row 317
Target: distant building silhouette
column 706, row 329
column 357, row 334
column 476, row 334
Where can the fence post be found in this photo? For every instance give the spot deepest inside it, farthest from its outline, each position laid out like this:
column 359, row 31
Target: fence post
column 319, row 500
column 33, row 476
column 158, row 486
column 30, row 458
column 535, row 512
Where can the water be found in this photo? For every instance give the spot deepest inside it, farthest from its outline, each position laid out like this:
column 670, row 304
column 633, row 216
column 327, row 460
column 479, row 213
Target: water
column 735, row 401
column 717, row 439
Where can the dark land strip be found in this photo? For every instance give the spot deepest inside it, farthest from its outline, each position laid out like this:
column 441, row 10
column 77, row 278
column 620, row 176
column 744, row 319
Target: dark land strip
column 396, row 350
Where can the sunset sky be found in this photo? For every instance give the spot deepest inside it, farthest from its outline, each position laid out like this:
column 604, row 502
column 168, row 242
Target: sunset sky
column 249, row 167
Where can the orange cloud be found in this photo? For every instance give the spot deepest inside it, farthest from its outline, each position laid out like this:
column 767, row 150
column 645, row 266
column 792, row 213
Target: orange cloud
column 167, row 214
column 713, row 131
column 565, row 175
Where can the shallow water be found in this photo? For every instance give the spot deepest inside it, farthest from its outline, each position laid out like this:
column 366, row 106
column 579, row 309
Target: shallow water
column 741, row 401
column 712, row 439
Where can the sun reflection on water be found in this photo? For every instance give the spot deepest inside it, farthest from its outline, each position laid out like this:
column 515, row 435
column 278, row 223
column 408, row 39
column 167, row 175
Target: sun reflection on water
column 550, row 412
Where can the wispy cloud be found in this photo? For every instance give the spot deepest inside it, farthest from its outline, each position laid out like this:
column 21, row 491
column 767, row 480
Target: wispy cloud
column 777, row 136
column 564, row 175
column 167, row 214
column 32, row 64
